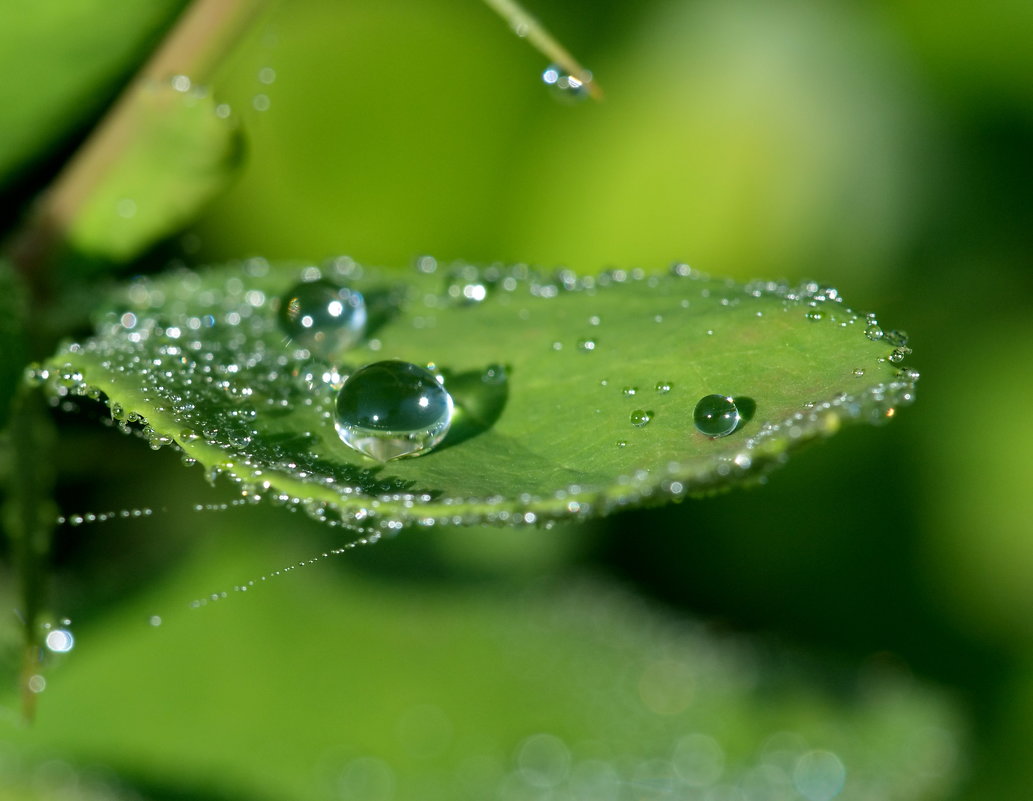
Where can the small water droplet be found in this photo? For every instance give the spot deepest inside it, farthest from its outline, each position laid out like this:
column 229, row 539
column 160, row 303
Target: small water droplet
column 622, row 443
column 815, row 315
column 899, row 354
column 495, row 375
column 859, row 372
column 629, row 391
column 318, row 375
column 716, row 415
column 897, row 338
column 60, row 641
column 587, row 345
column 663, row 387
column 322, row 317
column 641, row 417
column 566, row 86
column 181, row 83
column 392, row 409
column 874, row 333
column 126, row 208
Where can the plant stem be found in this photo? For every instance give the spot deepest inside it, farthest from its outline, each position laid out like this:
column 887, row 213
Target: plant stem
column 30, row 517
column 527, row 27
column 195, row 47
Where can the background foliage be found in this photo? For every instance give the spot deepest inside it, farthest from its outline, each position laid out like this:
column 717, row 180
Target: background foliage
column 885, row 150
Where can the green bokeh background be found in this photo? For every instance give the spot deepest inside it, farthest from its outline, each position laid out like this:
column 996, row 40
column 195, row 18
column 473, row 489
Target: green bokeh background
column 884, row 148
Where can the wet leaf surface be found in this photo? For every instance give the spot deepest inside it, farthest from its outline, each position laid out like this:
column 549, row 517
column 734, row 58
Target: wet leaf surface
column 552, row 378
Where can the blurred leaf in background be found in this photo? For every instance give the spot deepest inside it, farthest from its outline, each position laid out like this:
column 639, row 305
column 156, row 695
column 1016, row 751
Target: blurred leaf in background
column 62, row 62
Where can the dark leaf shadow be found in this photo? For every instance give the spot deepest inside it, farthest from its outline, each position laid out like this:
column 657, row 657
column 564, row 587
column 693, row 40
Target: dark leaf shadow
column 480, row 397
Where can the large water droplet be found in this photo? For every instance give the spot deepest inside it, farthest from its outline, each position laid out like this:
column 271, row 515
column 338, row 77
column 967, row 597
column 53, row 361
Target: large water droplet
column 391, row 409
column 322, row 317
column 716, row 415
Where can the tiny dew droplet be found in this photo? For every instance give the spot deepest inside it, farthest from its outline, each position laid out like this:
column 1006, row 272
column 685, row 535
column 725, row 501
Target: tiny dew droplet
column 494, row 374
column 629, row 391
column 392, row 409
column 640, row 417
column 322, row 317
column 859, row 372
column 663, row 387
column 566, row 86
column 587, row 345
column 716, row 415
column 815, row 315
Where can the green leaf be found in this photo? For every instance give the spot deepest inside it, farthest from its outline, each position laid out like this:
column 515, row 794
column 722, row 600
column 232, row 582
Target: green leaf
column 201, row 360
column 61, row 59
column 183, row 149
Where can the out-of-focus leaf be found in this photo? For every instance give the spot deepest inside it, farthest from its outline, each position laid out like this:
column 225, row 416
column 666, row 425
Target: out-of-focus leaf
column 416, row 692
column 183, row 148
column 576, row 395
column 60, row 60
column 13, row 353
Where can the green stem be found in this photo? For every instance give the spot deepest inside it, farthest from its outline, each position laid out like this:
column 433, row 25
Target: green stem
column 527, row 27
column 30, row 518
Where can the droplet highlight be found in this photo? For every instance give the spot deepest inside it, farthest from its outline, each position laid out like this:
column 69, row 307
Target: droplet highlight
column 392, row 409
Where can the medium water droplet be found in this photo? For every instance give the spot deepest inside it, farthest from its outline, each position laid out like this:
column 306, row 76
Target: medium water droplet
column 874, row 333
column 663, row 387
column 392, row 409
column 566, row 86
column 322, row 317
column 641, row 417
column 716, row 415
